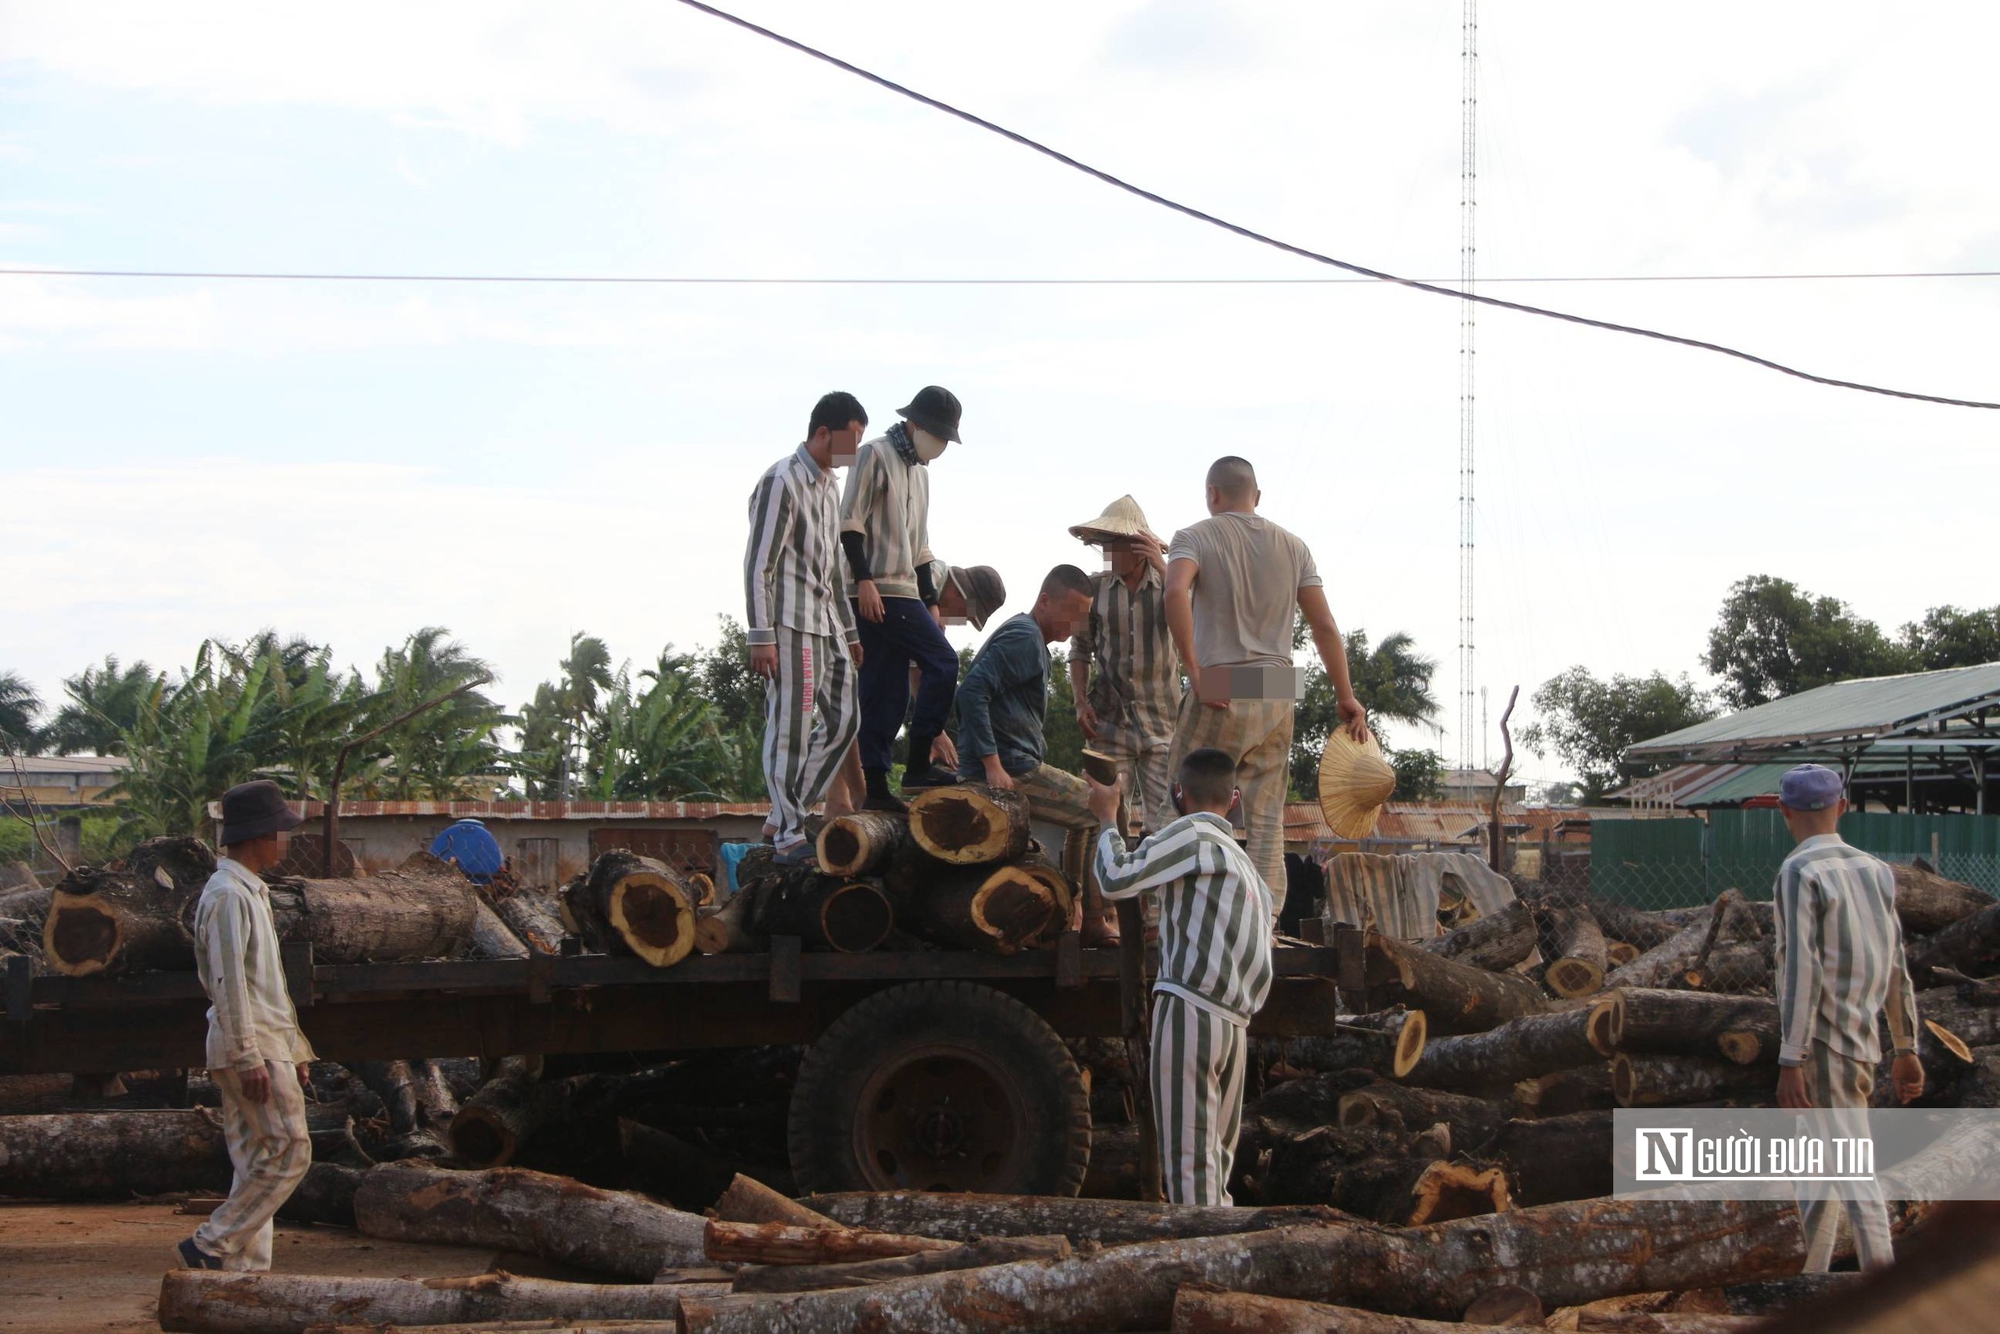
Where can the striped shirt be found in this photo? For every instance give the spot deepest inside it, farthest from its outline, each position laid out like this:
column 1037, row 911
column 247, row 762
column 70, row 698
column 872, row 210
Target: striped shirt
column 1136, row 690
column 250, row 1018
column 888, row 502
column 792, row 570
column 1840, row 954
column 1215, row 911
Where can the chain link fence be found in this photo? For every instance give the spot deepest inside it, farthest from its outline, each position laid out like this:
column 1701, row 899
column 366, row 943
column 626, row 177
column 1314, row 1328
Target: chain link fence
column 1682, row 884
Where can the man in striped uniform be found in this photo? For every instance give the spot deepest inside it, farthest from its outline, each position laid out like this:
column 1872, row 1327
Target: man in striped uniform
column 1215, row 967
column 801, row 627
column 1840, row 965
column 256, row 1054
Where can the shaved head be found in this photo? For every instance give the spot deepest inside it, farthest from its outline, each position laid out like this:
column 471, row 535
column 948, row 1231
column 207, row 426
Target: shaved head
column 1233, row 479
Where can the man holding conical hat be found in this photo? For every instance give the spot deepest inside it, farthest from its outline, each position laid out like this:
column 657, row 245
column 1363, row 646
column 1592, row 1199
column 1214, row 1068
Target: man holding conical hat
column 1122, row 669
column 1235, row 583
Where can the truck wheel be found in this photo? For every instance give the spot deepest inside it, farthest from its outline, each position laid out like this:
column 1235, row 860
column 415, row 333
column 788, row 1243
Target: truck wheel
column 945, row 1086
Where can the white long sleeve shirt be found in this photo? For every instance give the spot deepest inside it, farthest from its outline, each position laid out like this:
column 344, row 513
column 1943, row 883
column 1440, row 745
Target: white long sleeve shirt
column 250, row 1015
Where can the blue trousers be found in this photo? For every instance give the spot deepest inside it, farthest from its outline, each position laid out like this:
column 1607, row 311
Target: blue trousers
column 906, row 635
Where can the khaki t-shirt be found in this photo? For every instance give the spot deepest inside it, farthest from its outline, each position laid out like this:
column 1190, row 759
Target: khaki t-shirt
column 1246, row 594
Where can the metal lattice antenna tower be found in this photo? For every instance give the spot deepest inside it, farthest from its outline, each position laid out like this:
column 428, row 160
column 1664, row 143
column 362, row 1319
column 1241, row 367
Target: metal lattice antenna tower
column 1468, row 180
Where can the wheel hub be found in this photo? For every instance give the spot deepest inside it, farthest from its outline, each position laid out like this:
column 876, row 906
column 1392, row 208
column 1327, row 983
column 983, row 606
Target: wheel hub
column 938, row 1119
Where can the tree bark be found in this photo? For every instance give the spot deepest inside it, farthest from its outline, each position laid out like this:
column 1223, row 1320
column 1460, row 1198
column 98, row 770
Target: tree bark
column 419, row 912
column 1633, row 926
column 416, row 1095
column 1666, row 965
column 532, row 916
column 214, row 1302
column 1975, row 1025
column 1454, row 997
column 507, row 1208
column 670, row 1168
column 981, row 907
column 1394, row 1052
column 1556, row 1158
column 862, row 843
column 1649, row 1021
column 726, row 930
column 1408, row 1192
column 1206, row 1310
column 825, row 912
column 1107, row 1222
column 491, row 937
column 1524, row 1048
column 787, row 1244
column 628, row 904
column 748, row 1200
column 1927, row 902
column 1566, row 1253
column 1773, row 1296
column 1495, row 943
column 1574, row 950
column 858, row 1273
column 112, row 1155
column 127, row 915
column 497, row 1120
column 1966, row 943
column 1738, row 969
column 970, row 824
column 1583, row 1088
column 325, row 1196
column 1393, row 1108
column 1679, row 1081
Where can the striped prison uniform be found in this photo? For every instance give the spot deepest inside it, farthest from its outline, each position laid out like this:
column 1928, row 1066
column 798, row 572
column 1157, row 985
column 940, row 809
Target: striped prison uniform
column 888, row 502
column 797, row 599
column 1215, row 972
column 1135, row 689
column 250, row 1023
column 1840, row 965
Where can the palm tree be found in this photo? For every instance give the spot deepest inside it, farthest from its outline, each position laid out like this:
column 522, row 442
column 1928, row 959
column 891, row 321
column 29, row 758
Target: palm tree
column 585, row 672
column 104, row 702
column 1392, row 681
column 18, row 706
column 435, row 753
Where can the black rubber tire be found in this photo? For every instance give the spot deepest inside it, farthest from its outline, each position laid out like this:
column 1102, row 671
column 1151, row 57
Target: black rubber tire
column 908, row 1032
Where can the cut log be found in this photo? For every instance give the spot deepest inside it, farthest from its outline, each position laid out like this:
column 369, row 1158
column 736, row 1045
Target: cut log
column 1666, row 965
column 1454, row 997
column 1556, row 1158
column 1204, row 1309
column 1679, row 1081
column 628, row 904
column 213, row 1302
column 748, row 1200
column 1966, row 944
column 129, row 914
column 1508, row 1304
column 1036, row 865
column 1975, row 1025
column 1773, row 1296
column 970, row 824
column 1738, row 969
column 858, row 1273
column 982, row 907
column 1650, row 1021
column 1409, row 1192
column 726, row 930
column 507, row 1208
column 325, row 1196
column 861, row 843
column 1524, row 1048
column 532, row 916
column 418, row 1099
column 1574, row 948
column 670, row 1168
column 954, row 1217
column 1665, row 1322
column 1567, row 1253
column 1621, row 921
column 1617, row 953
column 1927, row 902
column 1584, row 1088
column 785, row 1244
column 494, row 1122
column 1394, row 1051
column 1495, row 943
column 112, row 1155
column 1396, row 1109
column 491, row 937
column 826, row 912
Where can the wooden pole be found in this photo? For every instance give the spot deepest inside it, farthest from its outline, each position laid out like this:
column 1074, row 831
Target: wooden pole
column 1496, row 846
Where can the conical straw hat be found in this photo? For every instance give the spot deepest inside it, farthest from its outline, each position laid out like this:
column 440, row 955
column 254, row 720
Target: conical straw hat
column 1121, row 518
column 1354, row 784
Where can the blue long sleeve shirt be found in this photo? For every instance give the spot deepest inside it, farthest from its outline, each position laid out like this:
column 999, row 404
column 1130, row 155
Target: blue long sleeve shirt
column 1003, row 700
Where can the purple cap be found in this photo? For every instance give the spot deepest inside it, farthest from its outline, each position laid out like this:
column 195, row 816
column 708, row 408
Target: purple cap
column 1810, row 787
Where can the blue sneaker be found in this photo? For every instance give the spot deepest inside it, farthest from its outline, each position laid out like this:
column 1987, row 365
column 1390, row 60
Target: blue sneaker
column 194, row 1257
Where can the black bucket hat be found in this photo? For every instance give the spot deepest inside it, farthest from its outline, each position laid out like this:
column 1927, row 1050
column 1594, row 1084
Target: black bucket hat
column 936, row 409
column 254, row 809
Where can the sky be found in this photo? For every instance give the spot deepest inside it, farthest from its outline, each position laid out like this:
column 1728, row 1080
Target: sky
column 184, row 459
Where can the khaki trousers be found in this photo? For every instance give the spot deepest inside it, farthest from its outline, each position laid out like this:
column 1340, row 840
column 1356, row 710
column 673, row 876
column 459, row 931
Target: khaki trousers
column 1063, row 799
column 1840, row 1088
column 271, row 1151
column 1257, row 733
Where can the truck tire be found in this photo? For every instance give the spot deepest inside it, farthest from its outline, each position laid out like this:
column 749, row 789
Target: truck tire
column 947, row 1086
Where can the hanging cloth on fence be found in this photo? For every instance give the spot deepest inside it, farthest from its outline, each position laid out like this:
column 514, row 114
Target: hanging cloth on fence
column 1399, row 895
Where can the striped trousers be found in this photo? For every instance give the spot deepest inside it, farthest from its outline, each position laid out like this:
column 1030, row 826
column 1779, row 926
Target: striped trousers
column 810, row 718
column 1197, row 1080
column 271, row 1151
column 1840, row 1088
column 1257, row 733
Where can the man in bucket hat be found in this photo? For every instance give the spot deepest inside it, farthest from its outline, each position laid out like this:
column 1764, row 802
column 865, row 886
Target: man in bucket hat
column 885, row 531
column 256, row 1054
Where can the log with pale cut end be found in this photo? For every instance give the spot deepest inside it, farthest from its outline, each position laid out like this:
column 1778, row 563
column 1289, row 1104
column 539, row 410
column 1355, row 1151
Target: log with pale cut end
column 862, row 843
column 532, row 916
column 1566, row 1253
column 1968, row 944
column 970, row 824
column 958, row 1217
column 493, row 1124
column 1455, row 998
column 1677, row 1081
column 1555, row 1158
column 1618, row 953
column 492, row 938
column 1975, row 1025
column 702, row 885
column 857, row 1273
column 1524, row 1048
column 1652, row 1021
column 130, row 914
column 112, row 1155
column 748, row 1200
column 1495, row 942
column 1583, row 1088
column 214, row 1302
column 1393, row 1051
column 1036, row 865
column 1409, row 1192
column 1738, row 969
column 726, row 930
column 825, row 912
column 1666, row 964
column 787, row 1244
column 1206, row 1309
column 1575, row 953
column 628, row 904
column 1394, row 1108
column 507, row 1208
column 1927, row 902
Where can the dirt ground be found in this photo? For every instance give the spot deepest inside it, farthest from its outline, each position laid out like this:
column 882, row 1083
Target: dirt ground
column 97, row 1266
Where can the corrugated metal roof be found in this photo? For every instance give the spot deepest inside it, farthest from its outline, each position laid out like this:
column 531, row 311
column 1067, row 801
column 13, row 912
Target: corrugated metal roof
column 110, row 766
column 1845, row 715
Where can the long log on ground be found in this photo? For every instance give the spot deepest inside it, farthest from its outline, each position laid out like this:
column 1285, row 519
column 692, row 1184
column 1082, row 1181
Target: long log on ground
column 129, row 914
column 956, row 1217
column 1496, row 942
column 507, row 1208
column 970, row 824
column 1555, row 1158
column 497, row 1120
column 1652, row 1021
column 1392, row 1107
column 1622, row 922
column 1565, row 1253
column 1573, row 950
column 1678, row 1081
column 628, row 904
column 1454, row 997
column 1966, row 944
column 213, row 1302
column 1394, row 1051
column 1927, row 902
column 325, row 1196
column 748, row 1200
column 785, row 1244
column 858, row 1273
column 112, row 1155
column 670, row 1168
column 826, row 912
column 1666, row 965
column 532, row 916
column 862, row 843
column 1206, row 1310
column 492, row 938
column 1524, row 1048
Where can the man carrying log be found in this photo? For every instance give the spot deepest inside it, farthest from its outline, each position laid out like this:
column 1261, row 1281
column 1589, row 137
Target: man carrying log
column 1234, row 583
column 1839, row 965
column 885, row 531
column 256, row 1054
column 800, row 625
column 1002, row 707
column 1215, row 966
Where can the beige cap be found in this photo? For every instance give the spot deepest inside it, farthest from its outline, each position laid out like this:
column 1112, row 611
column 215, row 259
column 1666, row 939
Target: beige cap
column 1121, row 518
column 1355, row 782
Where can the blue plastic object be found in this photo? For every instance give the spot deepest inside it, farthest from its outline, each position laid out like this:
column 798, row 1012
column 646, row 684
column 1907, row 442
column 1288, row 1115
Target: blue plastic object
column 732, row 855
column 476, row 851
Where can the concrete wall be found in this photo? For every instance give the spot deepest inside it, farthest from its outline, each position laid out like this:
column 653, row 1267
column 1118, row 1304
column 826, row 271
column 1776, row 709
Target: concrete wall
column 382, row 842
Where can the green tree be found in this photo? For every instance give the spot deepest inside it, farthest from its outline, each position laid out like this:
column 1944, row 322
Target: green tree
column 103, row 702
column 19, row 707
column 1419, row 774
column 1392, row 681
column 1589, row 722
column 1949, row 637
column 585, row 673
column 189, row 744
column 1772, row 640
column 1062, row 735
column 438, row 753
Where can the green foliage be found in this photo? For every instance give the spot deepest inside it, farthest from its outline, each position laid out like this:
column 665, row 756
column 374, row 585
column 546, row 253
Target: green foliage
column 1948, row 637
column 1771, row 640
column 103, row 839
column 104, row 702
column 19, row 707
column 1589, row 722
column 1419, row 774
column 1392, row 681
column 437, row 752
column 1062, row 735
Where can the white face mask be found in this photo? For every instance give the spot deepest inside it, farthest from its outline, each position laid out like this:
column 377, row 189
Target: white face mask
column 928, row 446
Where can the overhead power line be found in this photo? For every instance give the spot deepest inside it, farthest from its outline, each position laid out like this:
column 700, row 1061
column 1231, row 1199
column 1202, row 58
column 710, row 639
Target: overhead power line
column 1189, row 210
